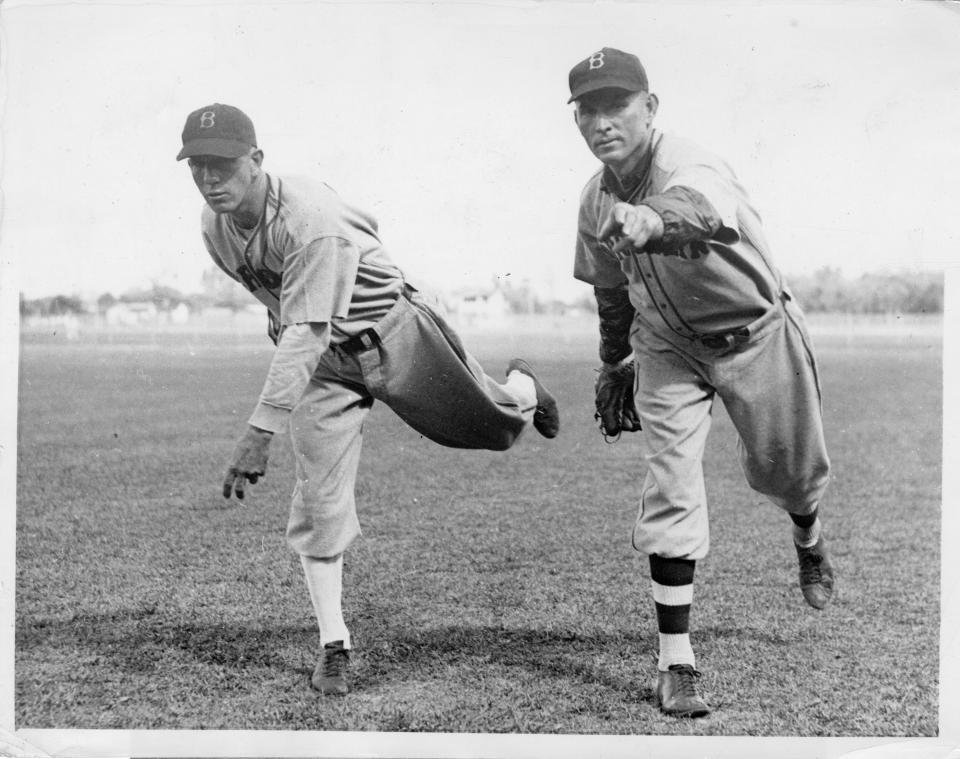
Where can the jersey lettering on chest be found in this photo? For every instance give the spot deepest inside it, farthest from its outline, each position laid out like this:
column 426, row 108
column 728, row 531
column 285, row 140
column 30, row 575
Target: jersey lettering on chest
column 253, row 269
column 254, row 279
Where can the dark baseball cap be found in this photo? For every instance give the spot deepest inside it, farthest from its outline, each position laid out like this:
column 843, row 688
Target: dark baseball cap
column 608, row 67
column 217, row 129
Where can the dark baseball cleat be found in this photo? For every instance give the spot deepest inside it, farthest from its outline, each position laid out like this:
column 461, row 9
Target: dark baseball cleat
column 330, row 675
column 816, row 574
column 678, row 694
column 546, row 419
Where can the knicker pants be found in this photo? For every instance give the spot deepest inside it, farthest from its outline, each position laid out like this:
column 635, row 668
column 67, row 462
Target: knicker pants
column 417, row 365
column 771, row 390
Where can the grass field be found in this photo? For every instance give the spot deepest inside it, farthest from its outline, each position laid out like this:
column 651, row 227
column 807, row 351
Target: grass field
column 491, row 592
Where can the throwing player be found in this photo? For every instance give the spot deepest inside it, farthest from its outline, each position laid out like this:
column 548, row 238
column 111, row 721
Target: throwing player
column 348, row 329
column 689, row 300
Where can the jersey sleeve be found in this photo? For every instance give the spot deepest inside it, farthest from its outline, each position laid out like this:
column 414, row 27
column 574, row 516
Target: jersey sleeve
column 698, row 201
column 594, row 263
column 687, row 216
column 298, row 352
column 318, row 281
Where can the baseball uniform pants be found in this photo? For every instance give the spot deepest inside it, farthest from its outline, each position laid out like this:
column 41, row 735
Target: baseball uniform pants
column 771, row 390
column 413, row 361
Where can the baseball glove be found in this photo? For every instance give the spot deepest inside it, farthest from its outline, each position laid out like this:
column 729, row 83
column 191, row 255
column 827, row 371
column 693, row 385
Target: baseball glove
column 616, row 411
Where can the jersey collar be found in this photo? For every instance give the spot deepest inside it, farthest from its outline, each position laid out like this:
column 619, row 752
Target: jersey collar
column 626, row 188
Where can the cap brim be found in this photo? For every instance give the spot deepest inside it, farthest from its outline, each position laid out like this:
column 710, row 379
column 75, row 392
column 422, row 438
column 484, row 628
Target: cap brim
column 612, row 83
column 214, row 146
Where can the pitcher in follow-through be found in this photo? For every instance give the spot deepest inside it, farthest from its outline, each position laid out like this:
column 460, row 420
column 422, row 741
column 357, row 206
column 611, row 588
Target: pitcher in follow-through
column 691, row 308
column 348, row 330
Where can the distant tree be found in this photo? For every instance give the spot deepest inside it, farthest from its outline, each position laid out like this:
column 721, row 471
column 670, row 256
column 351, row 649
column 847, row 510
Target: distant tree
column 164, row 297
column 520, row 297
column 197, row 302
column 871, row 293
column 926, row 294
column 877, row 294
column 824, row 290
column 60, row 305
column 27, row 307
column 104, row 302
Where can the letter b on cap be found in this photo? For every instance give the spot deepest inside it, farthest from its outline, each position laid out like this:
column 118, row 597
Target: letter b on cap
column 596, row 60
column 207, row 119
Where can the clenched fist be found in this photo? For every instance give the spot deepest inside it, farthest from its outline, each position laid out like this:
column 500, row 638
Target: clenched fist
column 631, row 227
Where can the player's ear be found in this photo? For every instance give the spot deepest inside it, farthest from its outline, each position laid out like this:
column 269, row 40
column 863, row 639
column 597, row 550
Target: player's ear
column 653, row 102
column 257, row 156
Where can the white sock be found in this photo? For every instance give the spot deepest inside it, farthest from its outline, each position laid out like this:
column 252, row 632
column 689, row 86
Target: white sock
column 325, row 582
column 522, row 385
column 807, row 536
column 675, row 648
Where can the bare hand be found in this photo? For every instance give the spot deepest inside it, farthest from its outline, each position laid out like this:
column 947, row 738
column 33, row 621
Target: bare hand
column 632, row 226
column 249, row 461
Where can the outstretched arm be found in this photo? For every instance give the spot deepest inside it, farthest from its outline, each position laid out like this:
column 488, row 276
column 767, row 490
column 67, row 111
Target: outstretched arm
column 298, row 352
column 666, row 222
column 317, row 286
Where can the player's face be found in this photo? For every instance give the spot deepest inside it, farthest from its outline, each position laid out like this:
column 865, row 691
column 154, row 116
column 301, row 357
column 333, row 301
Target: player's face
column 616, row 125
column 227, row 184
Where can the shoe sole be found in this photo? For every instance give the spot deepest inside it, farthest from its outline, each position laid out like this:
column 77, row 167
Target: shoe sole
column 700, row 712
column 687, row 715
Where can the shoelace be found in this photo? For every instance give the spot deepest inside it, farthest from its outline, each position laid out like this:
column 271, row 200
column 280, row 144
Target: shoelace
column 810, row 567
column 687, row 681
column 335, row 662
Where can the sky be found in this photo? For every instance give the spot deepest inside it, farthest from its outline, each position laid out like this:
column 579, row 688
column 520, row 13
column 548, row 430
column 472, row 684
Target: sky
column 449, row 123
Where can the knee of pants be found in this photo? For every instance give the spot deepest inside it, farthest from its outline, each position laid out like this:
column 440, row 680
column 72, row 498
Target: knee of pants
column 793, row 488
column 321, row 527
column 672, row 534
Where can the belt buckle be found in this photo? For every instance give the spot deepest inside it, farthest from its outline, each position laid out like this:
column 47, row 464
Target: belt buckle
column 725, row 340
column 361, row 341
column 715, row 342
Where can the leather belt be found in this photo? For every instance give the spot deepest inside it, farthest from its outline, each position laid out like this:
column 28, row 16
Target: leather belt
column 360, row 342
column 725, row 340
column 733, row 338
column 370, row 337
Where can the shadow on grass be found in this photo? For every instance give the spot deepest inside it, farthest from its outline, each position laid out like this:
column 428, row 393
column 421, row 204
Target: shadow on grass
column 620, row 662
column 140, row 642
column 137, row 640
column 745, row 632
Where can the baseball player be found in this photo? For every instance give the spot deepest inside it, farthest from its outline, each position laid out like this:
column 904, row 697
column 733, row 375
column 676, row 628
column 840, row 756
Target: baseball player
column 348, row 329
column 691, row 308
